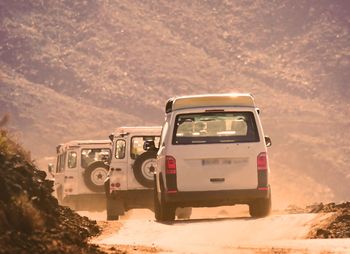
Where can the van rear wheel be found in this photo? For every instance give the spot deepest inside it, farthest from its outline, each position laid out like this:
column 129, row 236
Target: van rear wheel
column 165, row 212
column 260, row 207
column 162, row 210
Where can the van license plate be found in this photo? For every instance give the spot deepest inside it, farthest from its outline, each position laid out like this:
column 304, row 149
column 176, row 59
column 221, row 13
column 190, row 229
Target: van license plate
column 223, row 161
column 207, row 162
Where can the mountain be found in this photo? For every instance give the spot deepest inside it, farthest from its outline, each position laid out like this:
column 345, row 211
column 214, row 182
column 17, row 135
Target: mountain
column 79, row 69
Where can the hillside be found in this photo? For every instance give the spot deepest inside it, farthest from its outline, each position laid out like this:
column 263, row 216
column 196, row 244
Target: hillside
column 75, row 70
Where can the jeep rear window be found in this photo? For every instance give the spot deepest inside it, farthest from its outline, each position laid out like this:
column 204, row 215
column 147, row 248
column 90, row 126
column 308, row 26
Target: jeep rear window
column 89, row 156
column 215, row 127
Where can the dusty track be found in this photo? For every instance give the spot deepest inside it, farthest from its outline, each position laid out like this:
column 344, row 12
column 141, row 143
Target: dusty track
column 218, row 231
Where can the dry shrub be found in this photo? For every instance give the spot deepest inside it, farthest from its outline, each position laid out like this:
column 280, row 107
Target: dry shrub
column 9, row 147
column 4, row 120
column 32, row 219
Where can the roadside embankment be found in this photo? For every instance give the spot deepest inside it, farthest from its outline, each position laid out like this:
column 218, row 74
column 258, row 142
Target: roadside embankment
column 31, row 221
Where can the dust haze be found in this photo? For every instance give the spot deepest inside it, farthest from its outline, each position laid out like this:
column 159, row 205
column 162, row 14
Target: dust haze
column 78, row 70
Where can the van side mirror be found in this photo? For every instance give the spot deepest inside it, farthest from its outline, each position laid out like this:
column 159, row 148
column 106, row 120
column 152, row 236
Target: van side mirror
column 50, row 168
column 268, row 141
column 111, row 137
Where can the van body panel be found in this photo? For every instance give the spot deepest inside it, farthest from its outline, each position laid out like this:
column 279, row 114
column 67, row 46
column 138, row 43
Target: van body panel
column 228, row 166
column 214, row 166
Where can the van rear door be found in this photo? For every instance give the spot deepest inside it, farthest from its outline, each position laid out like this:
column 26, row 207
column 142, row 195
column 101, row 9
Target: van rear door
column 216, row 150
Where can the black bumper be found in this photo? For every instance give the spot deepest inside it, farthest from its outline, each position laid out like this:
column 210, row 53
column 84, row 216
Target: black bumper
column 216, row 198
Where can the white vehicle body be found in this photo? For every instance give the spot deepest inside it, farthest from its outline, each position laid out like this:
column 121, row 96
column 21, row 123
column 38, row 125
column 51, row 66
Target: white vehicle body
column 81, row 170
column 128, row 186
column 212, row 153
column 130, row 180
column 121, row 172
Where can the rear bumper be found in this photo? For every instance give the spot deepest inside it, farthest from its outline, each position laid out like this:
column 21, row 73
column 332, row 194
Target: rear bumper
column 216, row 198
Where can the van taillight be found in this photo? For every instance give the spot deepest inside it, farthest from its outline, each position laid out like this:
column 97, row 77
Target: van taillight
column 262, row 161
column 170, row 174
column 170, row 164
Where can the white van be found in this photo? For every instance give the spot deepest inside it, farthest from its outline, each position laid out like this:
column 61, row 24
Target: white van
column 212, row 153
column 130, row 179
column 81, row 169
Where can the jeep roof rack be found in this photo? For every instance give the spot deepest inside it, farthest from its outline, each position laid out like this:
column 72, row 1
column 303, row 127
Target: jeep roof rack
column 151, row 130
column 77, row 143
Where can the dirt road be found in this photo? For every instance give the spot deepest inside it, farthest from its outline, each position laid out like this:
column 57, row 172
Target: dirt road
column 217, row 231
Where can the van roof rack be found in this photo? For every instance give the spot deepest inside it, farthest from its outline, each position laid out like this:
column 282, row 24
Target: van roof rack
column 210, row 100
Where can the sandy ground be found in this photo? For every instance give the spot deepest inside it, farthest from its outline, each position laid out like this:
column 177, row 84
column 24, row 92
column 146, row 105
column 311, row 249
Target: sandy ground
column 216, row 230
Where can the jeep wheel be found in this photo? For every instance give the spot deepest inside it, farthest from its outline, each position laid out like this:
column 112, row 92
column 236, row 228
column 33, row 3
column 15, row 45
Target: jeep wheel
column 114, row 207
column 144, row 167
column 260, row 207
column 111, row 211
column 59, row 193
column 95, row 175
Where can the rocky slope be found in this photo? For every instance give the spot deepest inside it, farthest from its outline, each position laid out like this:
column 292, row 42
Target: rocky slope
column 338, row 226
column 30, row 218
column 75, row 70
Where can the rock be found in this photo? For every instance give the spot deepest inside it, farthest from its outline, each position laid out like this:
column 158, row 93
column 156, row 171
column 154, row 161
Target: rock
column 339, row 225
column 322, row 233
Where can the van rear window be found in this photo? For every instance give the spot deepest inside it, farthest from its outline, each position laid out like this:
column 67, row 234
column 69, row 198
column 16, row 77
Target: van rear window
column 215, row 127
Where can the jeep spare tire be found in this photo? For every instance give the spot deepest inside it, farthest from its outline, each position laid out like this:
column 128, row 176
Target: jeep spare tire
column 95, row 176
column 144, row 167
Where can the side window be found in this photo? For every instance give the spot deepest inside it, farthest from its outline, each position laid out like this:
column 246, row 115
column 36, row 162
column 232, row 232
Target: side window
column 58, row 165
column 120, row 149
column 72, row 160
column 61, row 160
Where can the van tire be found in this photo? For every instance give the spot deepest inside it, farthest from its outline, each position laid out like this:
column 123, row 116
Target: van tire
column 157, row 209
column 94, row 176
column 260, row 207
column 142, row 168
column 162, row 210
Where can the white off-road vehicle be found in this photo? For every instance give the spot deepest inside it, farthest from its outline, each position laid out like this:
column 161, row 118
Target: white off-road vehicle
column 130, row 179
column 212, row 153
column 81, row 169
